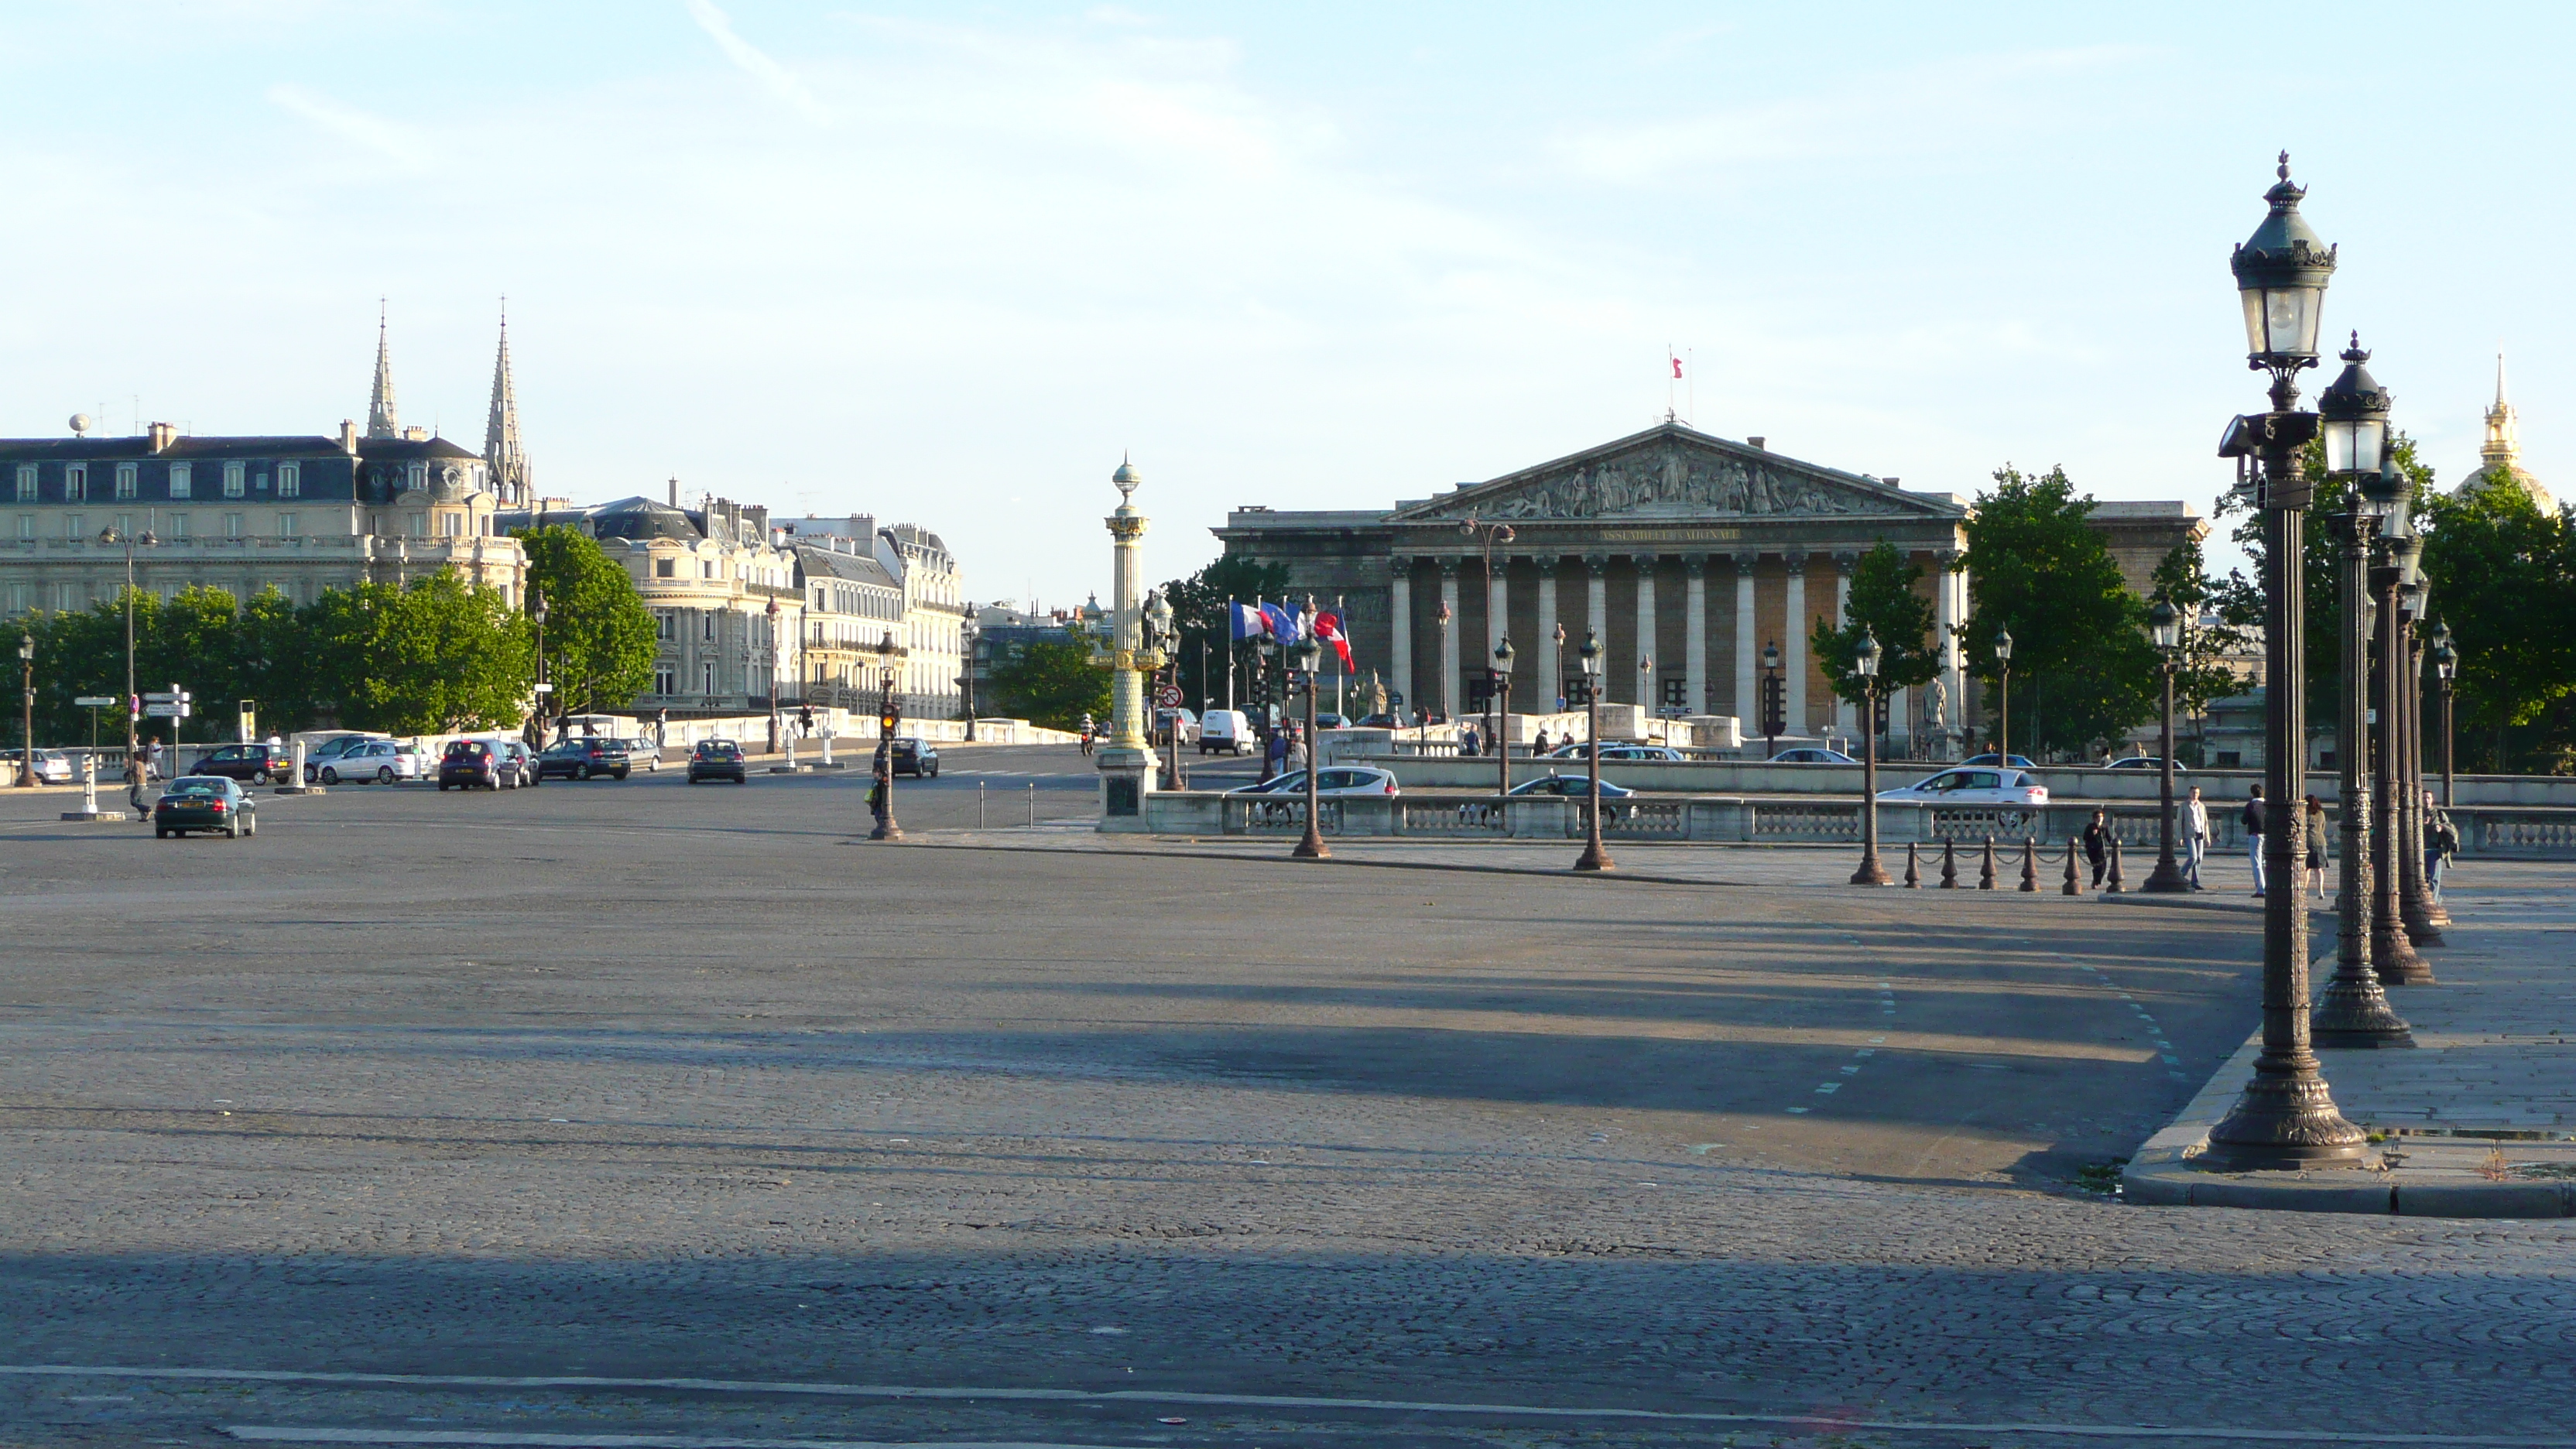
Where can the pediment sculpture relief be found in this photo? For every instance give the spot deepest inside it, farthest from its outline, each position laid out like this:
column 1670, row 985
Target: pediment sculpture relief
column 1676, row 482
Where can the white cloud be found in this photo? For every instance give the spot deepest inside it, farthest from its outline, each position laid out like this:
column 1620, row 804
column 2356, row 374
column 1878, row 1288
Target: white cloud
column 393, row 140
column 755, row 62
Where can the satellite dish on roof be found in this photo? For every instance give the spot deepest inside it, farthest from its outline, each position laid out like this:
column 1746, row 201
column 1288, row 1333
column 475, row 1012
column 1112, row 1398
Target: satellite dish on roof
column 80, row 423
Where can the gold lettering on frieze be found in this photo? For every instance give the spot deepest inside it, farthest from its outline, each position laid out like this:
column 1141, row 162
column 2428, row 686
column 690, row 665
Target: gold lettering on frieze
column 1670, row 535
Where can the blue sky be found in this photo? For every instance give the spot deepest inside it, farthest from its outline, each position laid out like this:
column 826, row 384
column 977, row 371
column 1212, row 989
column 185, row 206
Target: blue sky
column 948, row 262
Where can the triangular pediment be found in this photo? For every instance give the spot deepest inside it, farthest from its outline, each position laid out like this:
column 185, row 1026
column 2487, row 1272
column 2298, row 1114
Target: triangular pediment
column 1672, row 471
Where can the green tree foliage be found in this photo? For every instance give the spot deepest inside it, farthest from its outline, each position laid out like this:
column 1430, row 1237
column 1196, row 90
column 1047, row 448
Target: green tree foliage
column 2083, row 670
column 440, row 655
column 2503, row 574
column 1198, row 616
column 1053, row 685
column 2215, row 625
column 599, row 636
column 1886, row 598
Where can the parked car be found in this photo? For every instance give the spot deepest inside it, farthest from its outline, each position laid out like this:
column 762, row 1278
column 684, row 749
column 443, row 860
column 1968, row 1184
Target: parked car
column 1962, row 785
column 644, row 755
column 1582, row 750
column 1327, row 720
column 318, row 753
column 917, row 758
column 1991, row 758
column 383, row 761
column 1387, row 721
column 1335, row 780
column 52, row 767
column 1227, row 730
column 1572, row 787
column 580, row 759
column 717, row 760
column 205, row 802
column 1163, row 721
column 1810, row 755
column 2145, row 762
column 247, row 763
column 520, row 761
column 468, row 763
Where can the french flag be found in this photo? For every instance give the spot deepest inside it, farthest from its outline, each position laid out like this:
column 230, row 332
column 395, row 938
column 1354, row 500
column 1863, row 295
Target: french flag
column 1249, row 621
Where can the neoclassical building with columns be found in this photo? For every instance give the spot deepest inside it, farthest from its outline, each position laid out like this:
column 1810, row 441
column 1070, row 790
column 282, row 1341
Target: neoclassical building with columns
column 1688, row 554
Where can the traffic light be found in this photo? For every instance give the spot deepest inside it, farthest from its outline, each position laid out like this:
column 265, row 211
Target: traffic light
column 1775, row 705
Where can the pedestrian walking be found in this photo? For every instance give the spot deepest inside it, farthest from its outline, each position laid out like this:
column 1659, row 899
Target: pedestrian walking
column 1467, row 741
column 1274, row 755
column 2195, row 837
column 661, row 729
column 2254, row 815
column 1295, row 759
column 1539, row 746
column 2441, row 842
column 2314, row 841
column 152, row 759
column 2097, row 844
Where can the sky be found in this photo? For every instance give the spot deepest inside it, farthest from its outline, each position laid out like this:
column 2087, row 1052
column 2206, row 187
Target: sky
column 950, row 263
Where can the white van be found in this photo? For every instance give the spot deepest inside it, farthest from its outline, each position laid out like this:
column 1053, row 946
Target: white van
column 1229, row 730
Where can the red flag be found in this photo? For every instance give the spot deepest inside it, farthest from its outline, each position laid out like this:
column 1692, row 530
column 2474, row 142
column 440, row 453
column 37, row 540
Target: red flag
column 1677, row 367
column 1328, row 627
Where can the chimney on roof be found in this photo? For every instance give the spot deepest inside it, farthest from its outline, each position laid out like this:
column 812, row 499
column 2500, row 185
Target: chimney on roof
column 349, row 436
column 163, row 434
column 415, row 434
column 1757, row 442
column 1890, row 480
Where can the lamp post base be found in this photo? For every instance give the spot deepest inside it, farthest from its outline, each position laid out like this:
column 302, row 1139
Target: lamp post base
column 1312, row 847
column 1870, row 872
column 2285, row 1122
column 2167, row 876
column 2353, row 1014
column 1594, row 858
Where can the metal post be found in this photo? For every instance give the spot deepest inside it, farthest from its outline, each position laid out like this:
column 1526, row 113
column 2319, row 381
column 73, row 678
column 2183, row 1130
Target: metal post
column 2003, row 717
column 887, row 828
column 1033, row 802
column 1311, row 845
column 1593, row 857
column 27, row 695
column 2029, row 866
column 2447, row 798
column 1913, row 870
column 2424, row 915
column 1949, row 864
column 2074, row 884
column 1870, row 872
column 1986, row 869
column 2167, row 876
column 2352, row 1011
column 2392, row 955
column 1503, row 723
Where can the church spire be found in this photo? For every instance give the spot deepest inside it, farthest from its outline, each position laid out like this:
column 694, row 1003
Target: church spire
column 2502, row 451
column 382, row 421
column 511, row 477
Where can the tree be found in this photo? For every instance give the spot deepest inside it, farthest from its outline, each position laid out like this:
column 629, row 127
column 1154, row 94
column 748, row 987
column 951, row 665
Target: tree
column 2082, row 667
column 1885, row 599
column 2215, row 625
column 600, row 640
column 1199, row 617
column 2503, row 574
column 1053, row 685
column 440, row 655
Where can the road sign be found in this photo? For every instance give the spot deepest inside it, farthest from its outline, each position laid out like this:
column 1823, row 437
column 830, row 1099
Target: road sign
column 164, row 696
column 166, row 711
column 545, row 689
column 1169, row 696
column 95, row 701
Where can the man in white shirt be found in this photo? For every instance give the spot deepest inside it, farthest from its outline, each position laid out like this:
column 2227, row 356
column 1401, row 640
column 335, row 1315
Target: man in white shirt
column 2195, row 836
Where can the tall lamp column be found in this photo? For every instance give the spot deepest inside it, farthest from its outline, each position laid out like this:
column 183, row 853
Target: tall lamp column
column 2003, row 698
column 27, row 698
column 2353, row 1011
column 2164, row 626
column 1593, row 857
column 1503, row 715
column 1309, row 655
column 2423, row 922
column 2285, row 1117
column 1865, row 662
column 2446, row 665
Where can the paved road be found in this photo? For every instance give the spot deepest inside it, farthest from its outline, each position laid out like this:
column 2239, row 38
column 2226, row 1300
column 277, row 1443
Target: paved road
column 681, row 1092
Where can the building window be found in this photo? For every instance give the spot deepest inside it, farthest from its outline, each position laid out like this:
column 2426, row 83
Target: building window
column 706, row 679
column 665, row 679
column 76, row 483
column 27, row 483
column 17, row 598
column 232, row 525
column 662, row 627
column 182, row 479
column 662, row 569
column 290, row 481
column 27, row 526
column 125, row 480
column 707, row 570
column 178, row 525
column 261, row 483
column 451, row 525
column 419, row 475
column 286, row 525
column 233, row 480
column 75, row 526
column 707, row 626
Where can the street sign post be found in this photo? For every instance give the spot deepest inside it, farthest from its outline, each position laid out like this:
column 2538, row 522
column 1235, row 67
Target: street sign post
column 166, row 711
column 95, row 701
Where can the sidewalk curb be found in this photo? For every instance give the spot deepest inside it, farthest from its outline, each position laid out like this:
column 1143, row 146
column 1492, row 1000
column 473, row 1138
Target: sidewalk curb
column 2161, row 1174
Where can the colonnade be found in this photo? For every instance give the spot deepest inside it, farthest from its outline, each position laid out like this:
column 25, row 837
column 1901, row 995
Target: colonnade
column 1718, row 674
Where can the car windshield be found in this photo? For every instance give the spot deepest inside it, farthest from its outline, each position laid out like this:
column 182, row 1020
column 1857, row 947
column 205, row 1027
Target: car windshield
column 719, row 750
column 197, row 785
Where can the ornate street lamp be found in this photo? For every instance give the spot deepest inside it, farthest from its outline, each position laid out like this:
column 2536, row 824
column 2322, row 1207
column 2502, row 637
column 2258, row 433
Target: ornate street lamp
column 2392, row 951
column 1865, row 660
column 2424, row 915
column 2446, row 666
column 111, row 536
column 1593, row 857
column 1774, row 708
column 1503, row 712
column 1310, row 660
column 2164, row 627
column 26, row 666
column 887, row 652
column 537, row 615
column 2285, row 1117
column 2352, row 1011
column 2003, row 698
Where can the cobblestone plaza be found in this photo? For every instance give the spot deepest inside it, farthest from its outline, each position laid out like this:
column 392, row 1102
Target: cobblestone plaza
column 634, row 1114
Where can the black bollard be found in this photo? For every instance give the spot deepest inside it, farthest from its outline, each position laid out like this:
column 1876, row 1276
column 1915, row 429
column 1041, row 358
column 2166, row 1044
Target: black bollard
column 1949, row 865
column 2114, row 888
column 1913, row 874
column 2029, row 865
column 1986, row 872
column 2074, row 882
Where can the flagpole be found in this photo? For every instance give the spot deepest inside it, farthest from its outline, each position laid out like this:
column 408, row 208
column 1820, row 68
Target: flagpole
column 1346, row 668
column 1229, row 651
column 1690, row 381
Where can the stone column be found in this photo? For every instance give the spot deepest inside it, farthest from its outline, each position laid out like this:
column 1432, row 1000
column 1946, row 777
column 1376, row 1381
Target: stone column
column 1846, row 713
column 1125, row 763
column 1598, row 617
column 1449, row 638
column 1498, row 607
column 1695, row 632
column 1645, row 630
column 1551, row 686
column 1948, row 589
column 1748, row 644
column 1399, row 623
column 1793, row 650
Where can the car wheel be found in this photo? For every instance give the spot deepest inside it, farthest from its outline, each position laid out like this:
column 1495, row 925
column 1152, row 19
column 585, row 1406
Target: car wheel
column 622, row 774
column 251, row 826
column 330, row 776
column 384, row 774
column 581, row 772
column 234, row 830
column 160, row 834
